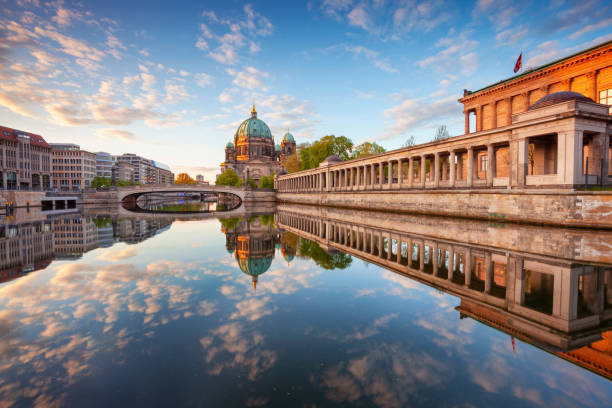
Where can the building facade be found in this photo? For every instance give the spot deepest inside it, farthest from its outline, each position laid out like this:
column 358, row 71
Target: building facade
column 73, row 168
column 253, row 153
column 25, row 160
column 147, row 171
column 104, row 164
column 124, row 171
column 548, row 127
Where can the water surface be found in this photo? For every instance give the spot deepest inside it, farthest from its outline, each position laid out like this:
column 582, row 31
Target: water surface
column 246, row 311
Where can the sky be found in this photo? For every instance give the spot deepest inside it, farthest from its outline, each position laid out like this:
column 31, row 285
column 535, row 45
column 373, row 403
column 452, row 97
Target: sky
column 171, row 81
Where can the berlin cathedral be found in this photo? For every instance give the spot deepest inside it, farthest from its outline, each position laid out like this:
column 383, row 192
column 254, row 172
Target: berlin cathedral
column 253, row 153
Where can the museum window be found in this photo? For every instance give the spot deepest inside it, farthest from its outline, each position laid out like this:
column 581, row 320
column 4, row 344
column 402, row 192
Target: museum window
column 605, row 97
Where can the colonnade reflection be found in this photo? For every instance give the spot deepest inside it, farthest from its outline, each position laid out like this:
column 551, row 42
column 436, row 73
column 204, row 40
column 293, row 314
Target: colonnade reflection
column 557, row 302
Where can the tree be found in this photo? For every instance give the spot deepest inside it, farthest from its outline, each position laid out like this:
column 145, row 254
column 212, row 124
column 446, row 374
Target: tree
column 311, row 155
column 291, row 163
column 367, row 149
column 252, row 183
column 267, row 182
column 229, row 178
column 184, row 178
column 409, row 142
column 312, row 250
column 441, row 133
column 100, row 182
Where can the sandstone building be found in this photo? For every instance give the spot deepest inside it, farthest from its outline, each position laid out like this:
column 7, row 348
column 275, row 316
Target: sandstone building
column 253, row 153
column 25, row 160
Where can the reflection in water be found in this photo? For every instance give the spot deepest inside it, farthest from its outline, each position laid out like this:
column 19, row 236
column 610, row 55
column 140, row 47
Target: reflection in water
column 170, row 319
column 184, row 202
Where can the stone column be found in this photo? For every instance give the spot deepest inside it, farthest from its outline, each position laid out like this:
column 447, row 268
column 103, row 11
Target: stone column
column 400, row 173
column 451, row 262
column 436, row 169
column 509, row 111
column 470, row 167
column 436, row 267
column 600, row 157
column 453, row 169
column 390, row 182
column 327, row 181
column 423, row 168
column 467, row 121
column 479, row 118
column 468, row 266
column 488, row 272
column 490, row 164
column 372, row 178
column 422, row 256
column 410, row 171
column 381, row 175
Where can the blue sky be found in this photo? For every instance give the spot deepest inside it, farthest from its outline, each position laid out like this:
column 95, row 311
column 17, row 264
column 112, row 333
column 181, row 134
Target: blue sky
column 172, row 81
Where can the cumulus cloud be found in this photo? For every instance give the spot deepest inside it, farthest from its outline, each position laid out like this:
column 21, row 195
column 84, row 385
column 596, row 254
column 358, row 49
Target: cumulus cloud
column 228, row 45
column 500, row 13
column 203, row 79
column 249, row 78
column 454, row 51
column 412, row 113
column 373, row 56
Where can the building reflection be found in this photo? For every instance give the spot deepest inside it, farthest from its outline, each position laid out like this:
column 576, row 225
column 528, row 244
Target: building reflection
column 253, row 241
column 31, row 240
column 561, row 303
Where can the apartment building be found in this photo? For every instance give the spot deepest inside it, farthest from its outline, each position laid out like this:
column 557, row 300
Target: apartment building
column 104, row 164
column 73, row 168
column 147, row 171
column 25, row 160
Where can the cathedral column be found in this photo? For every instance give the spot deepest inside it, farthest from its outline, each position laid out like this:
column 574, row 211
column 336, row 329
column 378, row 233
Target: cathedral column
column 400, row 173
column 381, row 175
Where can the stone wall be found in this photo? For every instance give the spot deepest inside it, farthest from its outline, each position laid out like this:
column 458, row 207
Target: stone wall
column 544, row 207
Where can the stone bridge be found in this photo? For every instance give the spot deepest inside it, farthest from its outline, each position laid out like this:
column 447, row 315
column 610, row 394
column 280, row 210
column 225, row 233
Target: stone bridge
column 133, row 192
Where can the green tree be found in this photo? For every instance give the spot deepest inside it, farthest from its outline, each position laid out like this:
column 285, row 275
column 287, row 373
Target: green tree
column 252, row 183
column 99, row 182
column 230, row 223
column 441, row 133
column 123, row 183
column 311, row 155
column 267, row 182
column 312, row 250
column 367, row 149
column 228, row 178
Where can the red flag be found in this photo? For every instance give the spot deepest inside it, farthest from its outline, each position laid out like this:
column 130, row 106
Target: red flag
column 519, row 63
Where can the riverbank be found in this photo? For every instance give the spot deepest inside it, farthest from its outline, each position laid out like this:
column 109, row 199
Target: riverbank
column 584, row 209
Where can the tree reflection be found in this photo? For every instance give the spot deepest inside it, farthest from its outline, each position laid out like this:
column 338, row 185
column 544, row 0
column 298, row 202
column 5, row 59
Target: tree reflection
column 334, row 260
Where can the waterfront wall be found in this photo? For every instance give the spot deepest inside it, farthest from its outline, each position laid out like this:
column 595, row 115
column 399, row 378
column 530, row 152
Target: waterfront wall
column 543, row 207
column 21, row 198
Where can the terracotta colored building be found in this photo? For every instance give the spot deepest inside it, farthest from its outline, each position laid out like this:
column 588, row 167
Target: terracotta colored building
column 25, row 160
column 73, row 168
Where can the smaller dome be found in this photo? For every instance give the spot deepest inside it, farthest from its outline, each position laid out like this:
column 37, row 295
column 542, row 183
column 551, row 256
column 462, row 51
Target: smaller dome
column 332, row 159
column 230, row 145
column 277, row 148
column 288, row 137
column 559, row 97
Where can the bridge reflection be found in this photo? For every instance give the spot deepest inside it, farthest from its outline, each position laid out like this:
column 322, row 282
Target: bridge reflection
column 547, row 298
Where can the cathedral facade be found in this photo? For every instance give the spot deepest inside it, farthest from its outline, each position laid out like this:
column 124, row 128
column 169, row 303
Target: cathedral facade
column 253, row 153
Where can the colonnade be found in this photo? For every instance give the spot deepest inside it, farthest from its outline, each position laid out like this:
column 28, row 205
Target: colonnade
column 474, row 166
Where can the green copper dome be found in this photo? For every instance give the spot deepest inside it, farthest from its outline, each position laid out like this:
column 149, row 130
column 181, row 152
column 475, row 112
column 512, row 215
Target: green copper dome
column 230, row 145
column 288, row 137
column 254, row 266
column 253, row 127
column 277, row 148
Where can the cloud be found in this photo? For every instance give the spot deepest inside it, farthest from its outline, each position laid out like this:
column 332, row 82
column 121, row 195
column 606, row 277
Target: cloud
column 417, row 112
column 606, row 23
column 359, row 17
column 175, row 93
column 241, row 33
column 543, row 53
column 455, row 51
column 373, row 56
column 72, row 46
column 116, row 134
column 500, row 13
column 203, row 79
column 249, row 78
column 511, row 36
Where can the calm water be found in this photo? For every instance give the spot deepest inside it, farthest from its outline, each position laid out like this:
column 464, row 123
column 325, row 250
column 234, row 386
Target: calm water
column 110, row 311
